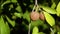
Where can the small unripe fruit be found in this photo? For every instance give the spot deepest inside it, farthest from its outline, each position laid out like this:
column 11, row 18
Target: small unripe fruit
column 41, row 16
column 34, row 15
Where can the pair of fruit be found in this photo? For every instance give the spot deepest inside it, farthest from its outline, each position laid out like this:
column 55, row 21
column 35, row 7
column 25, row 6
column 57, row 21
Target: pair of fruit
column 35, row 16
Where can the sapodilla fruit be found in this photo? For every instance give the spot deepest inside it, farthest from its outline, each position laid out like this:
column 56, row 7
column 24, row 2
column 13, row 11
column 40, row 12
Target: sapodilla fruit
column 34, row 15
column 41, row 16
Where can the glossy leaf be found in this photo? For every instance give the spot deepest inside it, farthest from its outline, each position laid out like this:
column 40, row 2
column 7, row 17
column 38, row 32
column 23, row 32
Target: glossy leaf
column 4, row 28
column 58, row 9
column 18, row 14
column 53, row 5
column 35, row 30
column 49, row 10
column 49, row 19
column 18, row 8
column 10, row 21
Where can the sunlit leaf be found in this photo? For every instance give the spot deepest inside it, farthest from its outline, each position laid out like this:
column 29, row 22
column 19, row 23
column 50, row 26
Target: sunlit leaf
column 14, row 1
column 53, row 5
column 19, row 9
column 11, row 6
column 26, row 15
column 49, row 10
column 10, row 21
column 35, row 30
column 41, row 33
column 4, row 28
column 58, row 9
column 18, row 14
column 49, row 19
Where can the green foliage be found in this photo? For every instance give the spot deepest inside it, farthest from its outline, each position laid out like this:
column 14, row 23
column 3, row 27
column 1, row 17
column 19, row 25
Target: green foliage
column 58, row 32
column 19, row 9
column 35, row 30
column 49, row 10
column 14, row 1
column 58, row 9
column 26, row 15
column 10, row 21
column 53, row 6
column 6, row 2
column 36, row 23
column 41, row 33
column 4, row 28
column 17, row 13
column 49, row 19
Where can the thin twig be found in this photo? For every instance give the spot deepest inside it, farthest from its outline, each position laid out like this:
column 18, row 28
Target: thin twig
column 52, row 30
column 35, row 2
column 33, row 8
column 32, row 11
column 29, row 28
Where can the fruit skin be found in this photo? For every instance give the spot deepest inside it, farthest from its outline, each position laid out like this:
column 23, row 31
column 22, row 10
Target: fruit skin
column 41, row 16
column 34, row 15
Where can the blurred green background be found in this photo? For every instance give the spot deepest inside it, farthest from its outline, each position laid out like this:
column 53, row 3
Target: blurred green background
column 15, row 17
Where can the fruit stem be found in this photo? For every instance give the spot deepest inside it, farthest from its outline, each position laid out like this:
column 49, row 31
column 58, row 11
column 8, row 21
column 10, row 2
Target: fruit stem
column 36, row 2
column 34, row 8
column 52, row 30
column 37, row 8
column 29, row 28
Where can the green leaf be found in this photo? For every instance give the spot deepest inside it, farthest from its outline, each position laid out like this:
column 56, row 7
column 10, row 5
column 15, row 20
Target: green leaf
column 53, row 5
column 36, row 23
column 18, row 14
column 41, row 33
column 19, row 9
column 4, row 28
column 11, row 6
column 49, row 10
column 35, row 30
column 49, row 19
column 6, row 2
column 14, row 1
column 10, row 21
column 26, row 15
column 58, row 9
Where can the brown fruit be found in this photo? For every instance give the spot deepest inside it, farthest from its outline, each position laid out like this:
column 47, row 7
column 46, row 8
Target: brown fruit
column 41, row 16
column 34, row 15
